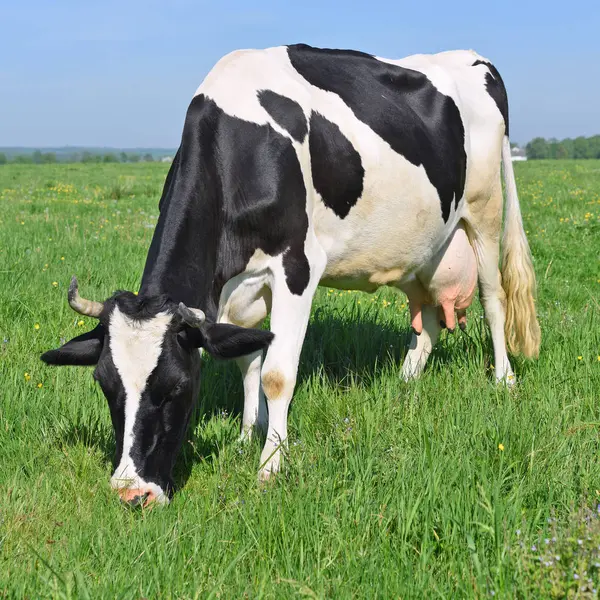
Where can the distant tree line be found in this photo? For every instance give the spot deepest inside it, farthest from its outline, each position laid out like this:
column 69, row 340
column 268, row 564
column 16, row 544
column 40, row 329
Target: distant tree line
column 110, row 157
column 40, row 158
column 580, row 147
column 538, row 148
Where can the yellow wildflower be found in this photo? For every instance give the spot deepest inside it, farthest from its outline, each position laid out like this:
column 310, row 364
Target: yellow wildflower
column 580, row 358
column 36, row 326
column 501, row 447
column 27, row 376
column 62, row 258
column 40, row 384
column 80, row 323
column 55, row 283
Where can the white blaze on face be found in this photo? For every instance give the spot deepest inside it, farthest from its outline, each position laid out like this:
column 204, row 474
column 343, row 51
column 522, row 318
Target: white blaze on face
column 135, row 348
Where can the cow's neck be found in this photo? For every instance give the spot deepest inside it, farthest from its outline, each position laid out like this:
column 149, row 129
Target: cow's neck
column 181, row 261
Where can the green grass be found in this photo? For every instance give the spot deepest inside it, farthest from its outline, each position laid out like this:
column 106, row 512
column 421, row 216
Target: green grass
column 390, row 489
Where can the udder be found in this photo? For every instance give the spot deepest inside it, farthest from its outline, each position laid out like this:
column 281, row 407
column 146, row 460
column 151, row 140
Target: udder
column 447, row 282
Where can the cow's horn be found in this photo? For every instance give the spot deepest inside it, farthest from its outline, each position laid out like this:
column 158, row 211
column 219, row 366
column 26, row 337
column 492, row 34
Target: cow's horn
column 193, row 317
column 89, row 308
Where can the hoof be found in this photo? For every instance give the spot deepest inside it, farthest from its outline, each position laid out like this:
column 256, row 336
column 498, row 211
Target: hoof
column 508, row 380
column 265, row 477
column 245, row 436
column 268, row 474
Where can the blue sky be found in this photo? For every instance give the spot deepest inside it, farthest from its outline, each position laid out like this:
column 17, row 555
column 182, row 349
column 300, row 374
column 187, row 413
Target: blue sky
column 121, row 73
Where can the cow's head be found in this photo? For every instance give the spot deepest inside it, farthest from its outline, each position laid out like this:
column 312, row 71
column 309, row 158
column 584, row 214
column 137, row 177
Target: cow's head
column 147, row 363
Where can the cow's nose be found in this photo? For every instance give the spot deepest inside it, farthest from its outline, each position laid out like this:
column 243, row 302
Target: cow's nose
column 136, row 497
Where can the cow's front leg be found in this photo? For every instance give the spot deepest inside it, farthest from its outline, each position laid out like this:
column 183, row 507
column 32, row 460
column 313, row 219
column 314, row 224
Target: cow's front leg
column 245, row 301
column 254, row 416
column 289, row 319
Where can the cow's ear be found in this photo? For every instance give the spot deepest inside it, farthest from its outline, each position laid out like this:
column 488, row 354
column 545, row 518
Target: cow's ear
column 227, row 341
column 84, row 350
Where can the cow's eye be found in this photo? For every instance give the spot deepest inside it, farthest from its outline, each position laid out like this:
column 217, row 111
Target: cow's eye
column 176, row 389
column 180, row 387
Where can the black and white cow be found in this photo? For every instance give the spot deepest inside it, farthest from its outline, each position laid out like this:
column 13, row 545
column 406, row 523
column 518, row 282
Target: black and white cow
column 300, row 166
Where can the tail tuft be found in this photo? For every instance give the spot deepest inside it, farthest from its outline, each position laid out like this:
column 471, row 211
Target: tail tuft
column 522, row 329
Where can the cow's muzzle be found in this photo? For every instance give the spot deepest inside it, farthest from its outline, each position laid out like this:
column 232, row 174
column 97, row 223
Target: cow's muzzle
column 137, row 497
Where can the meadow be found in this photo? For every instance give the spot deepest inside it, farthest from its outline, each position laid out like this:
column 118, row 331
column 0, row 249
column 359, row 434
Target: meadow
column 449, row 486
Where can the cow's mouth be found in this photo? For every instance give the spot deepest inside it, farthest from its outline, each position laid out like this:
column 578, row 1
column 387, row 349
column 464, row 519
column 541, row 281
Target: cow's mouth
column 137, row 497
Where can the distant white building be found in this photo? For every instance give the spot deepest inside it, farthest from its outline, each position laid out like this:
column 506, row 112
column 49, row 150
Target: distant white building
column 166, row 159
column 518, row 153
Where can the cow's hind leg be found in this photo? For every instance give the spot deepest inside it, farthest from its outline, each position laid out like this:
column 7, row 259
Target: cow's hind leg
column 493, row 299
column 289, row 319
column 484, row 232
column 421, row 345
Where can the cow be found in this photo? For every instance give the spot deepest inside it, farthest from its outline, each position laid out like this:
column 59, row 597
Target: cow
column 299, row 167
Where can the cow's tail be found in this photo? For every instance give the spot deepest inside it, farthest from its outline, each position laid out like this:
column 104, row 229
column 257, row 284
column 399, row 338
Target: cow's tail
column 518, row 277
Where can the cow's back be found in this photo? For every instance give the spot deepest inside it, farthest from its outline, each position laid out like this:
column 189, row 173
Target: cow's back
column 388, row 148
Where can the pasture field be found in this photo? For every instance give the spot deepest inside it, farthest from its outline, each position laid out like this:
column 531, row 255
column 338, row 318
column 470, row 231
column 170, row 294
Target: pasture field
column 449, row 487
